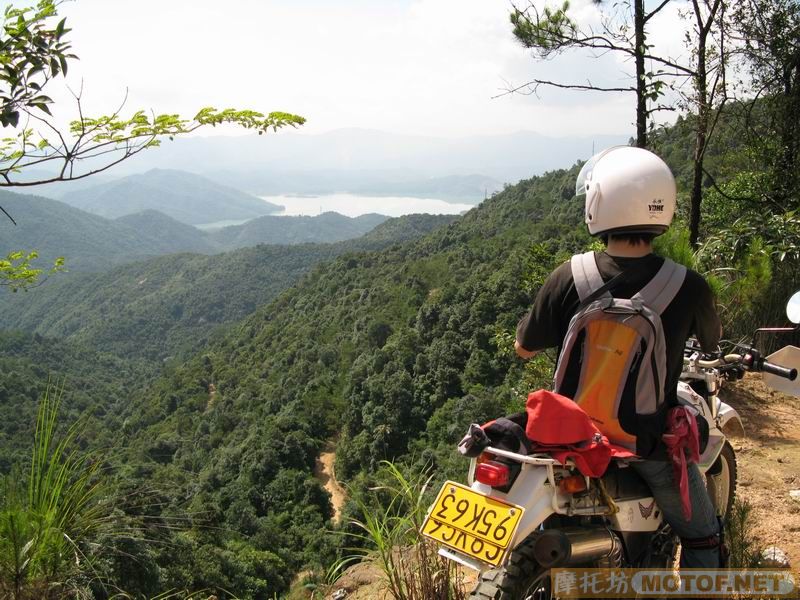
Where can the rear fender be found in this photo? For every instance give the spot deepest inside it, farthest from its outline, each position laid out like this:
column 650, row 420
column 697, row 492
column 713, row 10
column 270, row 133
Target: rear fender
column 533, row 492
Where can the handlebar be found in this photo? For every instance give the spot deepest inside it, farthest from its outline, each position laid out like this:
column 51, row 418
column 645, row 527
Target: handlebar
column 717, row 362
column 749, row 362
column 790, row 374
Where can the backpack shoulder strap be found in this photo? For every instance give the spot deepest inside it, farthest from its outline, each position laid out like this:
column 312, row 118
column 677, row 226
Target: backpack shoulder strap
column 586, row 274
column 663, row 287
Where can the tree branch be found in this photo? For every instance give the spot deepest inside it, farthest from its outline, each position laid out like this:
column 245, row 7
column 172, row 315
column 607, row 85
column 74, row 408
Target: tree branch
column 655, row 11
column 533, row 85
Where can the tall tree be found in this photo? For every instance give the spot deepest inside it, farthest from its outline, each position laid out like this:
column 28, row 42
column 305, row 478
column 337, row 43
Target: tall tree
column 709, row 91
column 768, row 32
column 623, row 29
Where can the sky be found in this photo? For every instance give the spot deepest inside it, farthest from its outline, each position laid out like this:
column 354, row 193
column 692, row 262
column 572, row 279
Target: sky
column 420, row 67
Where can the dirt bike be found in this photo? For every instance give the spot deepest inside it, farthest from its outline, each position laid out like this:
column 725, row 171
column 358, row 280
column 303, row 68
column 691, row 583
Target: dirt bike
column 524, row 514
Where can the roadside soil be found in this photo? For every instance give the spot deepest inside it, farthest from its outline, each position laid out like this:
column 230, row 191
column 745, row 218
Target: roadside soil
column 326, row 475
column 768, row 457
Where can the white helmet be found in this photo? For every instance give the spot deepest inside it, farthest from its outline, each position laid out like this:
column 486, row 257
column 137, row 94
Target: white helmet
column 628, row 190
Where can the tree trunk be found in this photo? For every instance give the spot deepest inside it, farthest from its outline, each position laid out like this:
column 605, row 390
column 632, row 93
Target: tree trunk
column 786, row 172
column 703, row 114
column 641, row 80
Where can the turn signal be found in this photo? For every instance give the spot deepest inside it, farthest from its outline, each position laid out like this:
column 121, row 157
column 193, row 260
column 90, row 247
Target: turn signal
column 493, row 474
column 572, row 484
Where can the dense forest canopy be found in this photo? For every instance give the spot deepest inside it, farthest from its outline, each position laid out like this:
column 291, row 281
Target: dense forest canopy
column 390, row 344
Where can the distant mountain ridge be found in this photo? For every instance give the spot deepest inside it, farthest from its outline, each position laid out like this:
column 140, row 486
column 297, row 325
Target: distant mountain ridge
column 325, row 228
column 93, row 243
column 377, row 156
column 366, row 162
column 186, row 197
column 89, row 242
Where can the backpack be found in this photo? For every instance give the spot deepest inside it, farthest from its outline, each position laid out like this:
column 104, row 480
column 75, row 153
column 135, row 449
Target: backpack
column 613, row 359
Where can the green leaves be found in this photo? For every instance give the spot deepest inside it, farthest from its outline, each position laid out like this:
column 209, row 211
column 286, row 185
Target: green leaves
column 116, row 137
column 551, row 31
column 17, row 274
column 32, row 52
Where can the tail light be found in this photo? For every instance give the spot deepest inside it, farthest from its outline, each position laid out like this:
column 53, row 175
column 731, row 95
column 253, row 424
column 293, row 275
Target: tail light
column 493, row 473
column 572, row 484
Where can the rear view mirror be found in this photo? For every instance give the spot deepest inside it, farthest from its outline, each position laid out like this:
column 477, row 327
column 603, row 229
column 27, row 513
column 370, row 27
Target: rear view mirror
column 788, row 357
column 793, row 308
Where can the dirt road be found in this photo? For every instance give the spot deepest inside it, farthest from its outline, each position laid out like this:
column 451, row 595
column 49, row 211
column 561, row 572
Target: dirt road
column 769, row 461
column 326, row 475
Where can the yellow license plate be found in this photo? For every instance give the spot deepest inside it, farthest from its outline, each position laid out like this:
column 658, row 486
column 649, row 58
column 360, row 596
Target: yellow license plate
column 471, row 523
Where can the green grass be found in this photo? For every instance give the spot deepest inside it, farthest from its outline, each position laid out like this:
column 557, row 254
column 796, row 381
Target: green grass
column 46, row 522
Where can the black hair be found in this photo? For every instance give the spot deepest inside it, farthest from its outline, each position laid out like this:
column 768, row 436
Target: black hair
column 634, row 239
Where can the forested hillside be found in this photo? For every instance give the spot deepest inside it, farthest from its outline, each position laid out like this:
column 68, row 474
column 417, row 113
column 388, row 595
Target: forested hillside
column 377, row 345
column 89, row 242
column 97, row 385
column 158, row 308
column 327, row 227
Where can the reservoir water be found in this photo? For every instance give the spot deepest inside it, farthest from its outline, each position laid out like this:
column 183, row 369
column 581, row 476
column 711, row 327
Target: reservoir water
column 352, row 206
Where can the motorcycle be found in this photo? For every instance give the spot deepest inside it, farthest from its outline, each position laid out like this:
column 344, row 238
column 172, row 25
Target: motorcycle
column 524, row 514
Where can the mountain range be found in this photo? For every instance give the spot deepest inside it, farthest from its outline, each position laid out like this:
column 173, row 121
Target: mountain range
column 363, row 161
column 93, row 243
column 186, row 197
column 503, row 157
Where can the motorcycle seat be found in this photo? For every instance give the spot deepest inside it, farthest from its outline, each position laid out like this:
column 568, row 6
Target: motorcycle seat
column 624, row 483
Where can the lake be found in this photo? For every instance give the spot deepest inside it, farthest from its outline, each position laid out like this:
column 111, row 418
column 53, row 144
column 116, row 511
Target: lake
column 353, row 206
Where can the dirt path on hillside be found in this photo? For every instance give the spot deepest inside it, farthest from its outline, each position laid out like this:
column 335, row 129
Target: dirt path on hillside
column 326, row 475
column 768, row 458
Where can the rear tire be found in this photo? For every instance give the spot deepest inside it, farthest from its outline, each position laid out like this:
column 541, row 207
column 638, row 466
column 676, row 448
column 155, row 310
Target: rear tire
column 522, row 578
column 721, row 484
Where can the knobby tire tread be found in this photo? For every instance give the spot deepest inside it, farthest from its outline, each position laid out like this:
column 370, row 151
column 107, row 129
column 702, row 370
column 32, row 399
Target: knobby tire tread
column 506, row 583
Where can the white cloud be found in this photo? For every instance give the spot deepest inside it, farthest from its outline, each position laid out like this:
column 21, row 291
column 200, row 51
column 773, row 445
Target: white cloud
column 421, row 66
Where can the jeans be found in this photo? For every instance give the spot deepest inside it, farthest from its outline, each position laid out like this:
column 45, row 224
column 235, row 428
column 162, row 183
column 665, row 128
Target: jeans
column 658, row 475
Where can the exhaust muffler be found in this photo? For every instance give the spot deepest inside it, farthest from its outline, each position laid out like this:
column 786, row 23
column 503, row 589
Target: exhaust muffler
column 573, row 546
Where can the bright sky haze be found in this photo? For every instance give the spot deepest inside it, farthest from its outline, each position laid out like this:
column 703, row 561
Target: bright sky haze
column 422, row 67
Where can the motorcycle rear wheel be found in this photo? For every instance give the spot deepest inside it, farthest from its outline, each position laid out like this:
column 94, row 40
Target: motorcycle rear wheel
column 522, row 578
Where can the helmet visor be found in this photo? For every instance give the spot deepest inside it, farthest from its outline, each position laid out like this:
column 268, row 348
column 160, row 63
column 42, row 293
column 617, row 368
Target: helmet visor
column 585, row 176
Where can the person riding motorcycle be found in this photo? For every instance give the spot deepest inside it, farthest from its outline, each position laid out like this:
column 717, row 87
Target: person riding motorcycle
column 630, row 198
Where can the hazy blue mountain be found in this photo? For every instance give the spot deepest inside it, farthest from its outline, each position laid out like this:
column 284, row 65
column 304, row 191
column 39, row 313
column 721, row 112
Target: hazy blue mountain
column 470, row 189
column 185, row 197
column 458, row 188
column 89, row 242
column 324, row 228
column 382, row 156
column 93, row 243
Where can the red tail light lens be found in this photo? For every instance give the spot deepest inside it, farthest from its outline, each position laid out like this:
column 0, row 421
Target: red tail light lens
column 493, row 474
